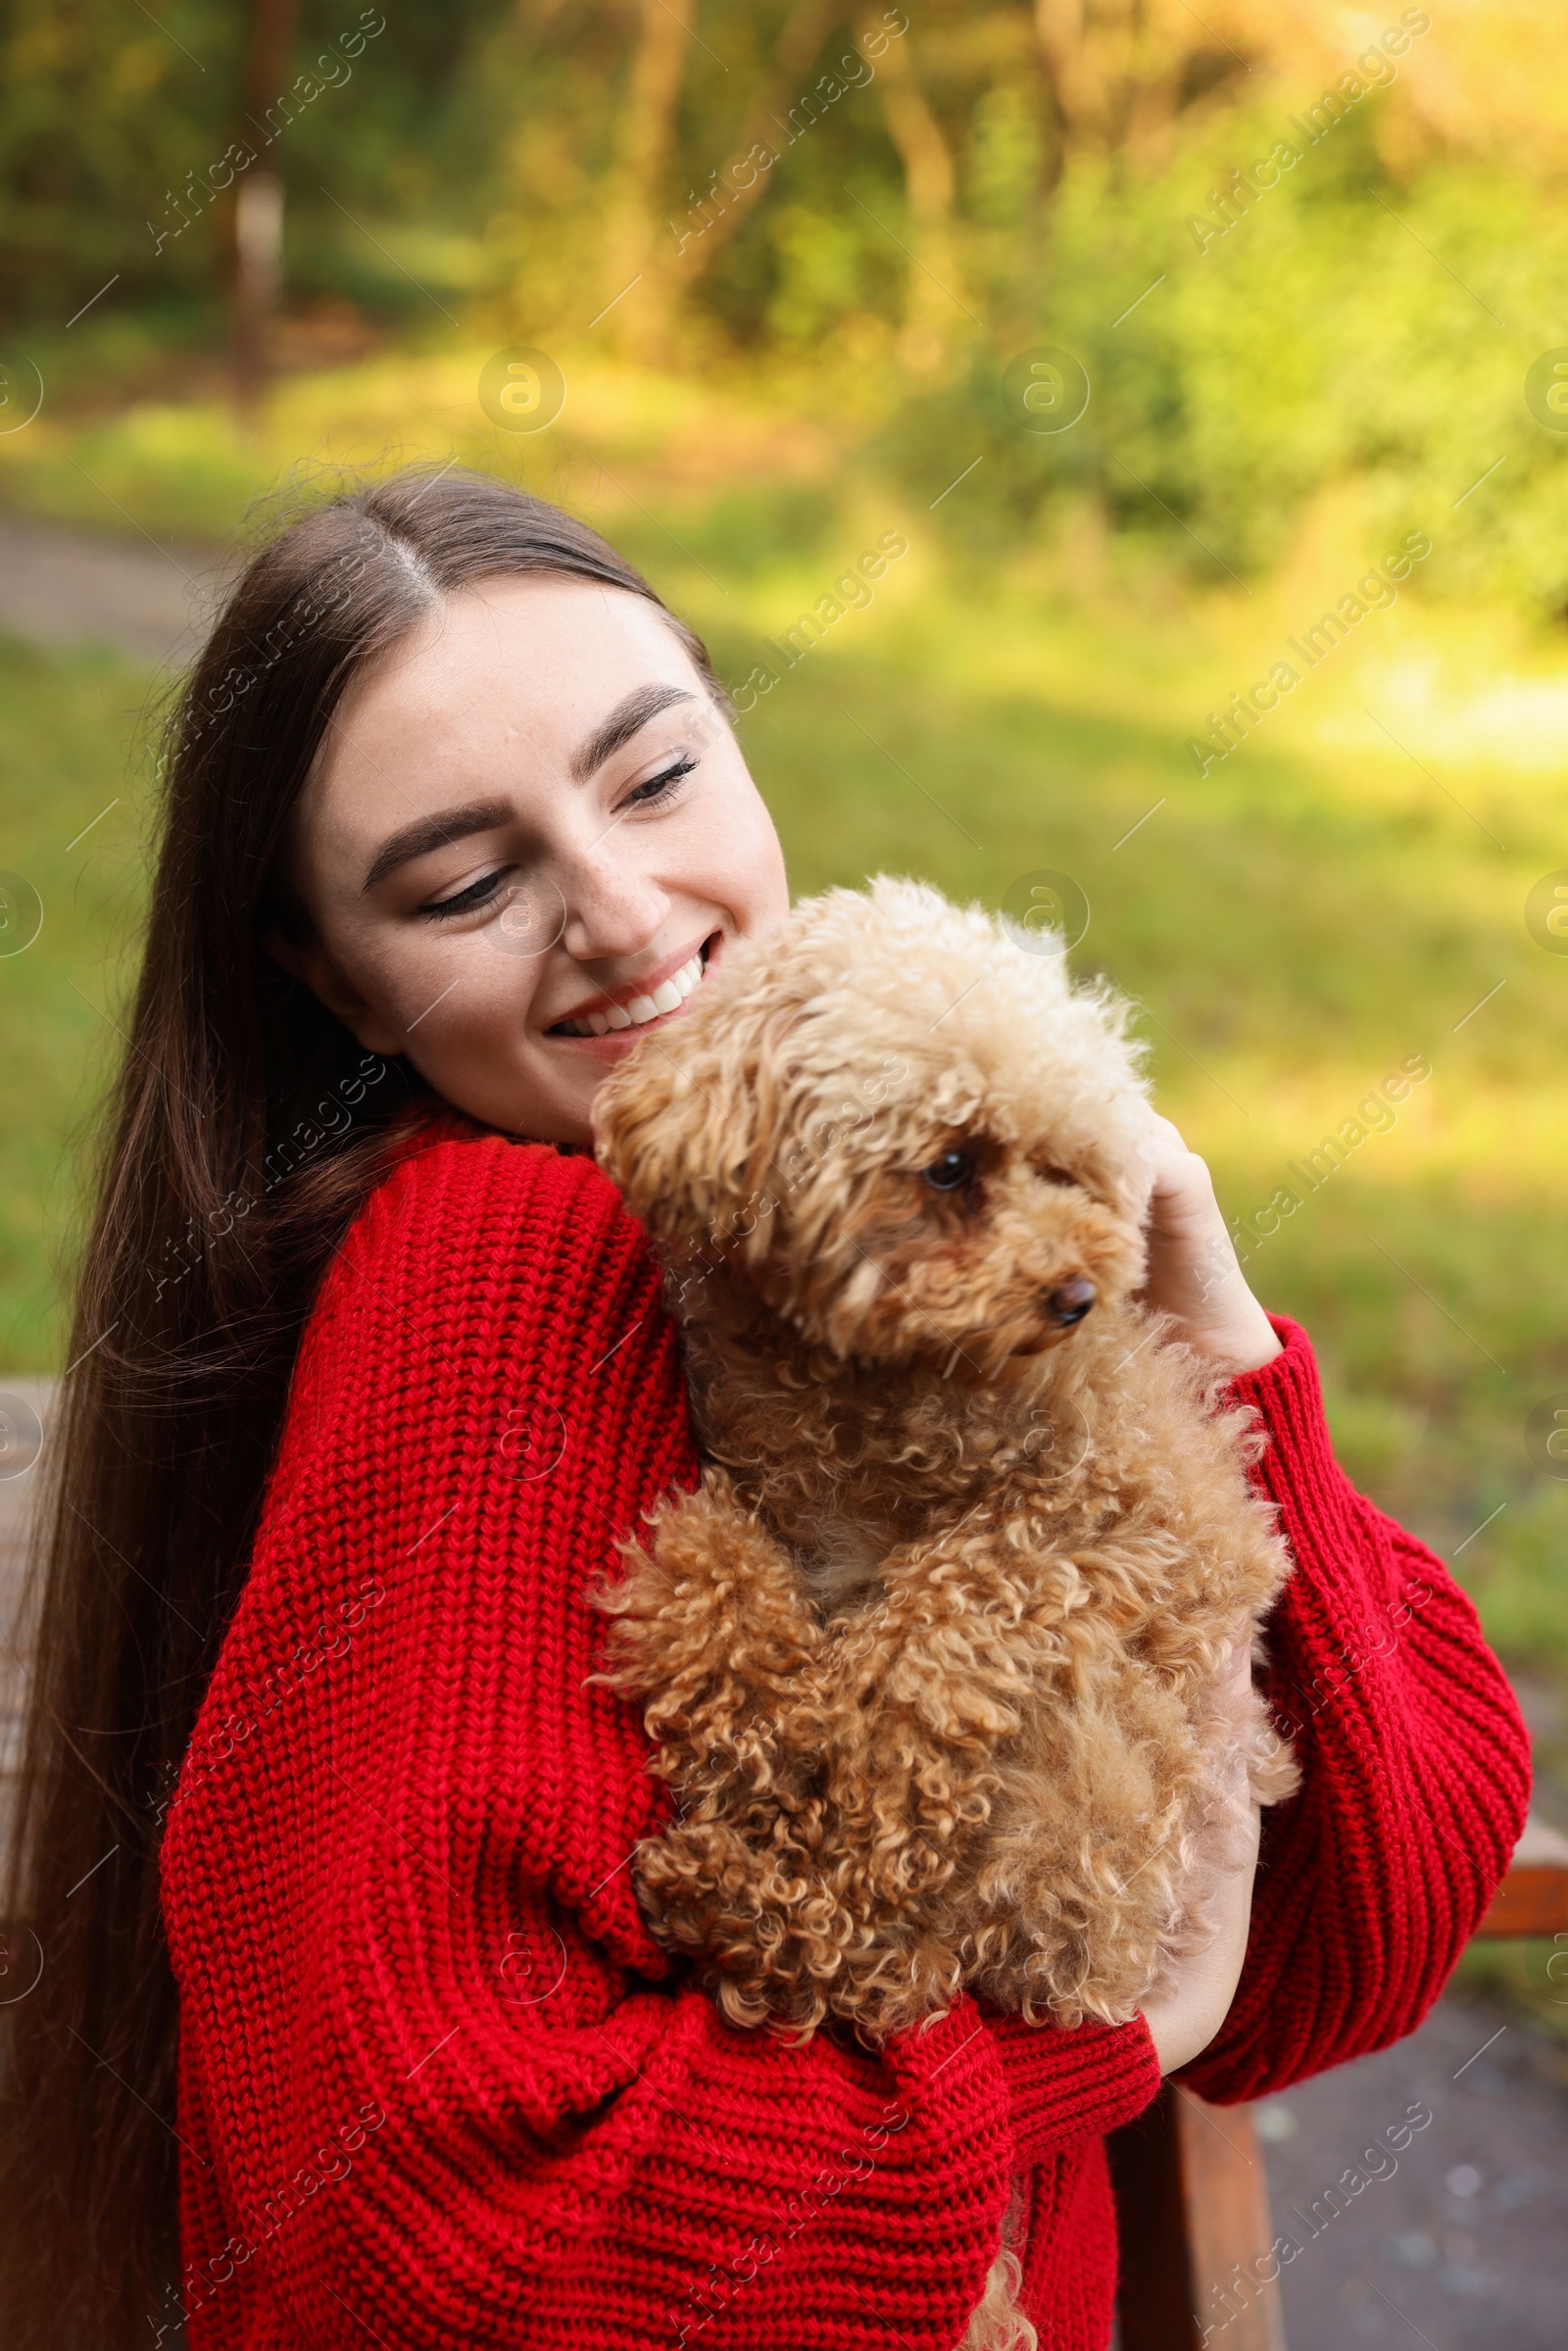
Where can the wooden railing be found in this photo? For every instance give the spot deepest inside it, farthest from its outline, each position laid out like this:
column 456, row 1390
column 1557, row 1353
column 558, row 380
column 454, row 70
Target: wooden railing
column 1192, row 2193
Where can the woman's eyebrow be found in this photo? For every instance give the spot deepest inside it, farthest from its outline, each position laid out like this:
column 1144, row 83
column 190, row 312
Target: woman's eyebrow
column 416, row 840
column 625, row 720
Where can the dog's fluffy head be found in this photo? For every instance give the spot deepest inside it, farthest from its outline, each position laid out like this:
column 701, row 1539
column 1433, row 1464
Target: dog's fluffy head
column 910, row 1135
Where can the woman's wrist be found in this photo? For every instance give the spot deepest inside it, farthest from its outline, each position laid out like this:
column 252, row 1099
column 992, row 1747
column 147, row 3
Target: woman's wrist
column 1194, row 1999
column 1242, row 1339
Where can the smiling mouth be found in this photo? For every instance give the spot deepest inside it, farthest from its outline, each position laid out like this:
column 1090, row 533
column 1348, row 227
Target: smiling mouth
column 636, row 1011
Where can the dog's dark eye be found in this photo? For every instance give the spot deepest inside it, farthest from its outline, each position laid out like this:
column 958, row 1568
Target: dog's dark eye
column 952, row 1168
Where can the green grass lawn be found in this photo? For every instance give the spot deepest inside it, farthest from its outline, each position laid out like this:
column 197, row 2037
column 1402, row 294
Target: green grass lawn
column 1337, row 896
column 72, row 798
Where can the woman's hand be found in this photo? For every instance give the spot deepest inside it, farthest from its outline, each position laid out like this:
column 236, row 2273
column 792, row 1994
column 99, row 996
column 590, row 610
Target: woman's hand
column 1193, row 1268
column 1195, row 1277
column 1194, row 1996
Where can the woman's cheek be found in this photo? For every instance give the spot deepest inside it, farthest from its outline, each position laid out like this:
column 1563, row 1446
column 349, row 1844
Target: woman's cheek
column 477, row 1034
column 407, row 976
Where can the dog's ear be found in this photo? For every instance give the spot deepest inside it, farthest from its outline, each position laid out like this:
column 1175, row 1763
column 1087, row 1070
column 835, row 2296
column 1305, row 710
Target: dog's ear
column 686, row 1126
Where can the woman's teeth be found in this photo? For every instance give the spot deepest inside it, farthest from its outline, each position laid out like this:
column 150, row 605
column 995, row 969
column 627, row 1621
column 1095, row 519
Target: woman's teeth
column 665, row 998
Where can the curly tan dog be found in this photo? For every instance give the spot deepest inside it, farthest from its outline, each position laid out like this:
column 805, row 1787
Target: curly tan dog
column 936, row 1655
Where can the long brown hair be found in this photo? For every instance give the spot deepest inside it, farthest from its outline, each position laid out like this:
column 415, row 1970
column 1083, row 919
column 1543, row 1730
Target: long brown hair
column 243, row 1131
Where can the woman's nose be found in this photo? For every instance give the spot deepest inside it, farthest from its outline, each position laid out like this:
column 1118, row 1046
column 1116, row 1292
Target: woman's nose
column 611, row 909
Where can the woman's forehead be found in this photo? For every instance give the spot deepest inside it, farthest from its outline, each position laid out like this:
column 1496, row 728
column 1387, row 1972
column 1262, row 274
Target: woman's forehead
column 545, row 647
column 504, row 670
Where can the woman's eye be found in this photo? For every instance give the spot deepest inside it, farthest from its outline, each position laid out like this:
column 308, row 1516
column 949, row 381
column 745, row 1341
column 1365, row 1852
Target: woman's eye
column 947, row 1173
column 650, row 794
column 478, row 893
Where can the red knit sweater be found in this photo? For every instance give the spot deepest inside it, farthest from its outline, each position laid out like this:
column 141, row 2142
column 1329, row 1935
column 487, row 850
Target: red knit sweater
column 438, row 2085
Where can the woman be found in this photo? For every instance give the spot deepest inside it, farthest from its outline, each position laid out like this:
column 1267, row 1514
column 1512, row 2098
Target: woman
column 365, row 1387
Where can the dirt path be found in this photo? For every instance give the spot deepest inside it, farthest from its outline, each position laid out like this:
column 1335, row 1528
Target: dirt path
column 1455, row 2247
column 58, row 587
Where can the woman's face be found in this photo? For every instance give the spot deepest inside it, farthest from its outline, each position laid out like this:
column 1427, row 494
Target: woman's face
column 527, row 837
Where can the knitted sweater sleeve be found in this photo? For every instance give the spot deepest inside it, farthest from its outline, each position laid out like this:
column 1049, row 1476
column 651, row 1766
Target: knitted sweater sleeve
column 1415, row 1769
column 437, row 2082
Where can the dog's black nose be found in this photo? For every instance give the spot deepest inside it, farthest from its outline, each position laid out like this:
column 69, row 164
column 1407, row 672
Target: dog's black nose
column 1071, row 1302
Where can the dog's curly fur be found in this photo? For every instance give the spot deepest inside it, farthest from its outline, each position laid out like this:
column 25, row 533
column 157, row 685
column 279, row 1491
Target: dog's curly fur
column 935, row 1655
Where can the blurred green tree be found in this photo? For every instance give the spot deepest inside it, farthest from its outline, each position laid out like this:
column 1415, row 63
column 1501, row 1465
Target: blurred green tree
column 1254, row 229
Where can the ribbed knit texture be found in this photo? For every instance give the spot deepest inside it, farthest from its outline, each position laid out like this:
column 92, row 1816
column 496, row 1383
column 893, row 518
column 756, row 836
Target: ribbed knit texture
column 440, row 2087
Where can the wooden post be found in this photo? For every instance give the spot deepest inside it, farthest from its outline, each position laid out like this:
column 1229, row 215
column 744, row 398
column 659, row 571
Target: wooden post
column 1192, row 2202
column 1532, row 1898
column 1154, row 2289
column 1235, row 2282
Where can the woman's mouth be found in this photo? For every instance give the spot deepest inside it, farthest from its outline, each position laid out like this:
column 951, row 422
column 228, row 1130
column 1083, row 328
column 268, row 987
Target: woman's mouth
column 619, row 1023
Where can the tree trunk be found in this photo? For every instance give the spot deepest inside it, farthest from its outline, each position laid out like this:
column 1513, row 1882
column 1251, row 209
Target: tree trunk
column 1114, row 70
column 1059, row 36
column 933, row 303
column 713, row 212
column 646, row 139
column 256, row 261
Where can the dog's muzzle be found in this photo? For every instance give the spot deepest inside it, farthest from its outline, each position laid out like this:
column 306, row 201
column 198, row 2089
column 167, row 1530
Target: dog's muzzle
column 1071, row 1302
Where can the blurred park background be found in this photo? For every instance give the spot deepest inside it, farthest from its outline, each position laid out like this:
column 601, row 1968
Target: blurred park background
column 1154, row 335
